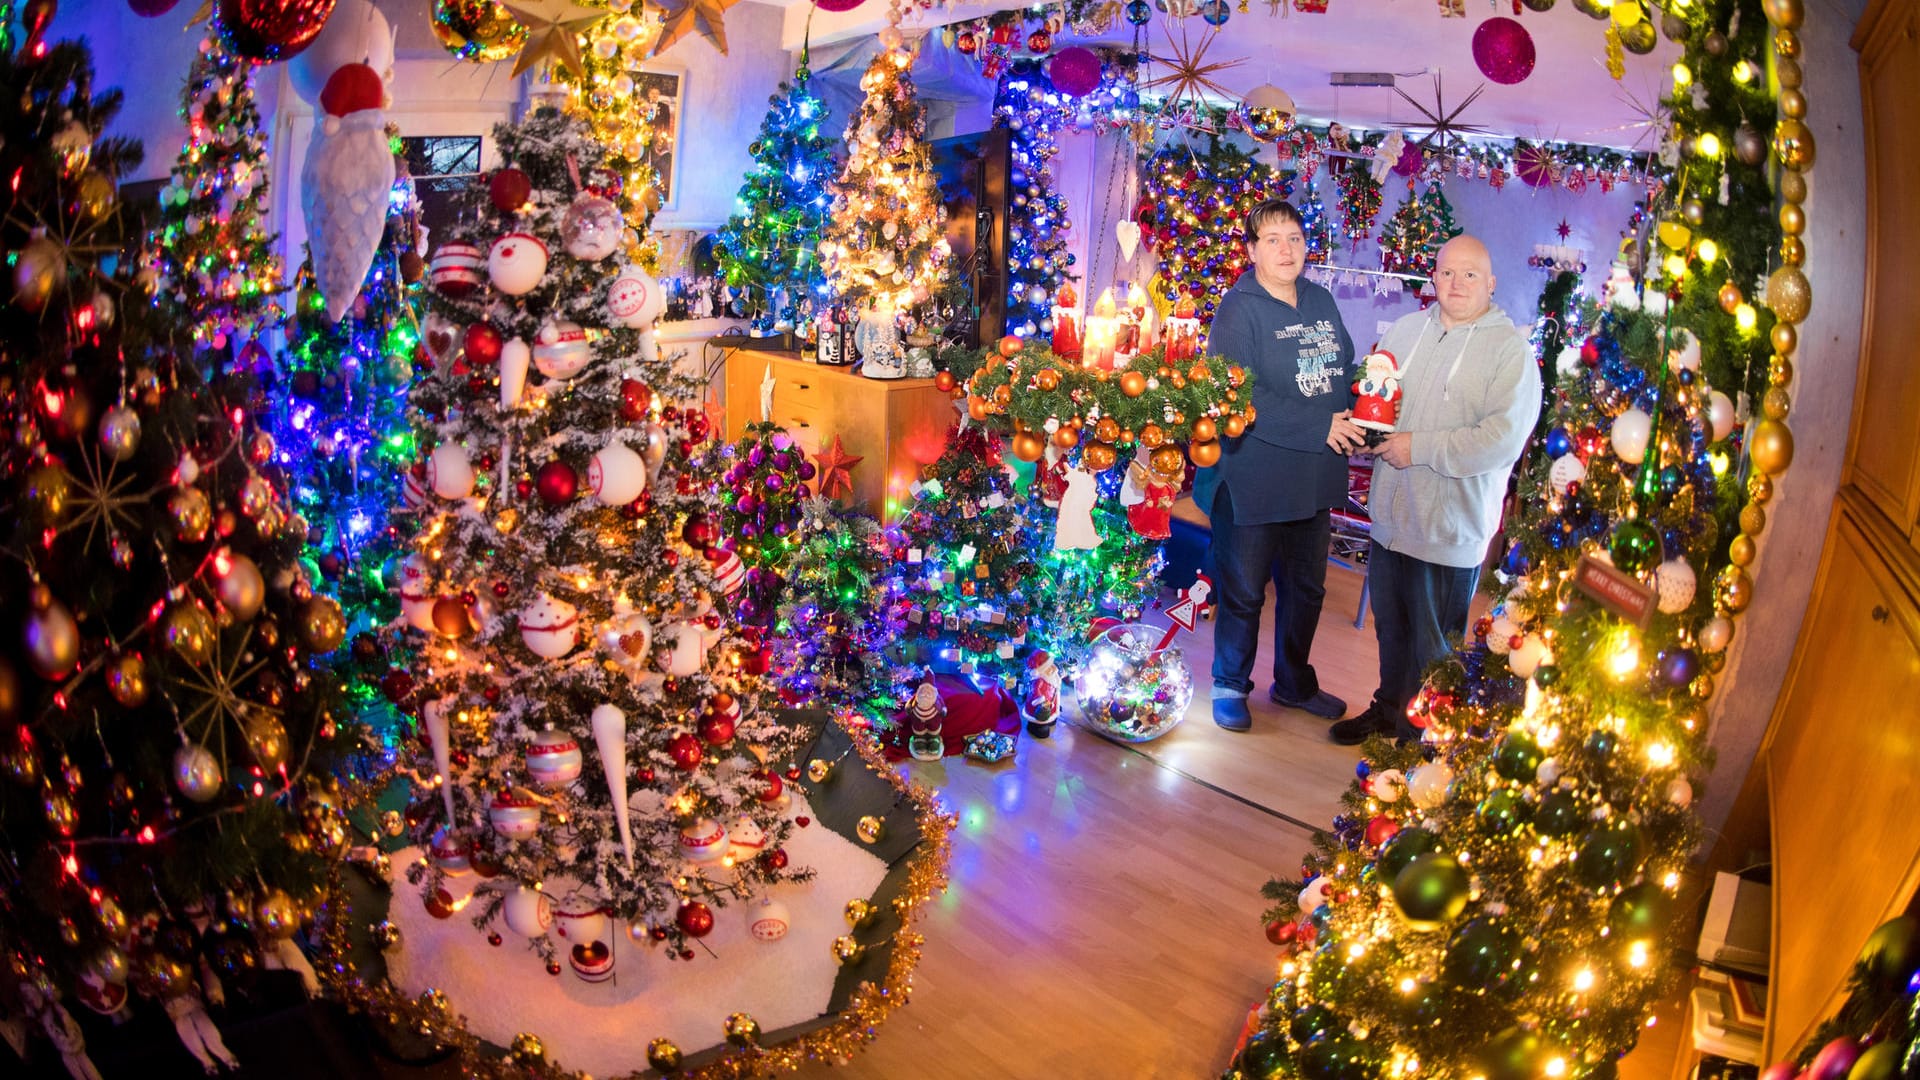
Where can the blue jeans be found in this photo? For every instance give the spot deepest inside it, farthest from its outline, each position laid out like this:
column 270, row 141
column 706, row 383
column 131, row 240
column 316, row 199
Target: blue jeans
column 1416, row 604
column 1293, row 554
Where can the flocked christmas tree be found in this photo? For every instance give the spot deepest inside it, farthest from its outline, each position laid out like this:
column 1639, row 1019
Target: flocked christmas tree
column 771, row 246
column 885, row 245
column 158, row 709
column 1500, row 901
column 218, row 273
column 1201, row 203
column 571, row 603
column 1411, row 238
column 1037, row 222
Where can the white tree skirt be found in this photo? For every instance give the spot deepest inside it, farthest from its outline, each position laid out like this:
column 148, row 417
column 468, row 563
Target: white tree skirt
column 603, row 1028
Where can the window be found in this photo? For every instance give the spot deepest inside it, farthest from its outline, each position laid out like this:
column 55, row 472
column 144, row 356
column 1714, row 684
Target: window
column 442, row 166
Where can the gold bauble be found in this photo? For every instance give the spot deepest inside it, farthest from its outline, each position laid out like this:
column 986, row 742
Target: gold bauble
column 1760, row 488
column 1787, row 70
column 52, row 635
column 1775, row 403
column 1787, row 44
column 127, row 680
column 1730, row 297
column 1674, row 233
column 163, row 976
column 96, row 194
column 1742, row 549
column 1693, row 211
column 1784, row 338
column 1793, row 144
column 112, row 919
column 1152, row 436
column 1107, row 430
column 1236, row 425
column 1205, row 430
column 870, row 829
column 188, row 631
column 1748, row 147
column 1785, row 14
column 1753, row 520
column 61, row 815
column 37, row 268
column 9, row 692
column 276, row 917
column 255, row 495
column 48, row 487
column 819, row 769
column 527, row 1049
column 1167, row 461
column 1793, row 220
column 1779, row 370
column 322, row 627
column 1132, row 383
column 1789, row 294
column 1065, row 437
column 860, row 912
column 267, row 739
column 241, row 589
column 663, row 1055
column 847, row 950
column 1701, row 687
column 1099, row 457
column 1793, row 251
column 1771, row 447
column 742, row 1030
column 120, row 432
column 196, row 773
column 192, row 514
column 1732, row 589
column 1204, row 454
column 1793, row 104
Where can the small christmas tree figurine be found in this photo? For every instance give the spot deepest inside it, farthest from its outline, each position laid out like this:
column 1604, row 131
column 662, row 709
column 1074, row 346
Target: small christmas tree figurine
column 1412, row 237
column 770, row 247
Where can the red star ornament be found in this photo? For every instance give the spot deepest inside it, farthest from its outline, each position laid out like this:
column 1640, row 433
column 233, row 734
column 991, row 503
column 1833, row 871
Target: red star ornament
column 836, row 470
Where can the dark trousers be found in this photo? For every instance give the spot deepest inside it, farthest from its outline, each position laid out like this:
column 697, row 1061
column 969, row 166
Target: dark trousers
column 1293, row 554
column 1416, row 605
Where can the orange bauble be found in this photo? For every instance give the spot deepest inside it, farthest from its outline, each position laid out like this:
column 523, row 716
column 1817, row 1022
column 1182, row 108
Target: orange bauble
column 1098, row 456
column 977, row 408
column 1010, row 345
column 1204, row 430
column 1167, row 461
column 1133, row 384
column 1164, row 371
column 1107, row 430
column 1250, row 413
column 1029, row 447
column 1151, row 436
column 1236, row 427
column 1179, row 381
column 945, row 382
column 1236, row 374
column 1199, row 372
column 1047, row 379
column 1002, row 395
column 1204, row 454
column 1066, row 438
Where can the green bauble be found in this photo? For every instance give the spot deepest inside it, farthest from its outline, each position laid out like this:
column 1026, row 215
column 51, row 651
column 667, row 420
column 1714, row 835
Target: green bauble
column 1892, row 951
column 1482, row 954
column 1602, row 742
column 1635, row 545
column 1519, row 755
column 1425, row 1006
column 1431, row 891
column 1609, row 853
column 1880, row 1062
column 1514, row 1054
column 1406, row 846
column 1264, row 1057
column 1504, row 811
column 1339, row 1057
column 1639, row 910
column 1312, row 1022
column 1560, row 814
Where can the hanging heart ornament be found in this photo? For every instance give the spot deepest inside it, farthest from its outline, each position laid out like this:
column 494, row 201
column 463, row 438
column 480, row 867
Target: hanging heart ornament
column 1128, row 233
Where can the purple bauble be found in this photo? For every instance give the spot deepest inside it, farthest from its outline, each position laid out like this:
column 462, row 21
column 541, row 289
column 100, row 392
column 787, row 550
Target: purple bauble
column 782, row 529
column 1679, row 666
column 806, row 470
column 748, row 503
column 1834, row 1060
column 775, row 482
column 1503, row 50
column 756, row 456
column 1411, row 158
column 1075, row 71
column 782, row 441
column 781, row 462
column 748, row 530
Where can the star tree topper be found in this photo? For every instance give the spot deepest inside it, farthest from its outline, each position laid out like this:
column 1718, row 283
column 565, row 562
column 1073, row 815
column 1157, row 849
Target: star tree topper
column 553, row 30
column 836, row 470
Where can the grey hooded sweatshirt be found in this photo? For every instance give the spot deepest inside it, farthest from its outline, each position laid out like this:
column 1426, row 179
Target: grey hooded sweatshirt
column 1472, row 394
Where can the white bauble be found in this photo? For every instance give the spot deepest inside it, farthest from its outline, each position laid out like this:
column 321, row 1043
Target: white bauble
column 684, row 648
column 514, row 814
column 635, row 299
column 1548, row 771
column 1387, row 785
column 1568, row 362
column 527, row 912
column 516, row 263
column 1500, row 636
column 1685, row 354
column 1679, row 792
column 1526, row 659
column 561, row 350
column 627, row 638
column 515, row 357
column 554, row 758
column 1674, row 581
column 1427, row 784
column 745, row 840
column 356, row 33
column 1720, row 415
column 550, row 627
column 1631, row 430
column 1654, row 302
column 1313, row 895
column 1566, row 469
column 704, row 841
column 1716, row 633
column 616, row 476
column 584, row 928
column 768, row 920
column 416, row 601
column 450, row 472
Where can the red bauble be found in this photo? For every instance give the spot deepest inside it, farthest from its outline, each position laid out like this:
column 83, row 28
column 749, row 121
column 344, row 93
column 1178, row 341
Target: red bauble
column 686, row 751
column 440, row 905
column 1590, row 352
column 770, row 793
column 839, row 5
column 557, row 483
column 1381, row 829
column 151, row 9
column 482, row 343
column 774, row 858
column 1503, row 50
column 553, row 967
column 450, row 618
column 636, row 398
column 1039, row 42
column 495, row 939
column 396, row 685
column 699, row 532
column 716, row 730
column 645, row 775
column 1282, row 931
column 698, row 426
column 509, row 189
column 694, row 919
column 269, row 30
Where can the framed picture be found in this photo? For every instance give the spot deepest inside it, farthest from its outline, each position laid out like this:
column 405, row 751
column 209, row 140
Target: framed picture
column 661, row 97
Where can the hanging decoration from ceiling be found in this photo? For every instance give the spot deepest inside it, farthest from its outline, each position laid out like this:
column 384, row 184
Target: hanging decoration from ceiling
column 1503, row 50
column 553, row 31
column 705, row 17
column 481, row 31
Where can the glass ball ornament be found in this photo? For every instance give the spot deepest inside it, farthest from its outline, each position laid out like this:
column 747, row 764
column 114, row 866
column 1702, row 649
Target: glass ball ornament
column 1431, row 891
column 1131, row 690
column 1139, row 12
column 196, row 772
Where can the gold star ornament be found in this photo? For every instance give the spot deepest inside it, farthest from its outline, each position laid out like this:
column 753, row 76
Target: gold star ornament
column 705, row 16
column 1189, row 74
column 553, row 30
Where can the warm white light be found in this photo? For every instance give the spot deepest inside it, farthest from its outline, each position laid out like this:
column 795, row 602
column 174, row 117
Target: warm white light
column 1583, row 980
column 1407, row 985
column 1637, row 954
column 1557, row 1067
column 1625, row 659
column 1660, row 755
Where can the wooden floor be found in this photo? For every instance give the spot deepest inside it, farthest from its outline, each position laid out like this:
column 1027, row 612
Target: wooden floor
column 1103, row 919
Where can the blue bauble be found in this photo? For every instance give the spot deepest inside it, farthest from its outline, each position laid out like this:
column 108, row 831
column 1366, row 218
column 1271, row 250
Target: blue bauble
column 1216, row 12
column 1139, row 12
column 1559, row 443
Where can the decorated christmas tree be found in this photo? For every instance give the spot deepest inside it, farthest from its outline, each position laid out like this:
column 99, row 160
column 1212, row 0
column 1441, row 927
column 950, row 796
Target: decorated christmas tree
column 1317, row 225
column 1201, row 203
column 218, row 273
column 1359, row 200
column 832, row 629
column 172, row 746
column 631, row 119
column 1499, row 901
column 1411, row 239
column 884, row 245
column 771, row 247
column 584, row 692
column 766, row 480
column 1037, row 223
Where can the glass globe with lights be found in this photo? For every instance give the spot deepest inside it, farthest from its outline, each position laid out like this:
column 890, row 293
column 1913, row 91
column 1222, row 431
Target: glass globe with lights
column 1131, row 690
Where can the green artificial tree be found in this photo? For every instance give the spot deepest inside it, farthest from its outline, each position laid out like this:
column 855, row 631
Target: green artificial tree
column 1201, row 203
column 830, row 628
column 770, row 247
column 1411, row 239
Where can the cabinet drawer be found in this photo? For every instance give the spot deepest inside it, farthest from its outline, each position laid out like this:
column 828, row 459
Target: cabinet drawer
column 805, row 390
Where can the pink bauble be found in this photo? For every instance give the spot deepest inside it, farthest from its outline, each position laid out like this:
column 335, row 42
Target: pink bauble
column 1411, row 158
column 151, row 9
column 838, row 5
column 1075, row 71
column 1834, row 1060
column 1503, row 50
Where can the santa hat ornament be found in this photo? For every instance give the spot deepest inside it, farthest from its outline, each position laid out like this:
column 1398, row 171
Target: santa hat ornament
column 345, row 183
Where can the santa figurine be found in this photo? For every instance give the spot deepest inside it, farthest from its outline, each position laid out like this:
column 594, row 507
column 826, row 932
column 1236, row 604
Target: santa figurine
column 1042, row 700
column 1066, row 321
column 1377, row 407
column 1183, row 331
column 926, row 715
column 1052, row 475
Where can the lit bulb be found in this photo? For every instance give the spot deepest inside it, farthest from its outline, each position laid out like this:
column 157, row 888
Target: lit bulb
column 1676, row 266
column 1709, row 252
column 1708, row 144
column 1583, row 980
column 1625, row 659
column 1744, row 72
column 1682, row 76
column 1746, row 317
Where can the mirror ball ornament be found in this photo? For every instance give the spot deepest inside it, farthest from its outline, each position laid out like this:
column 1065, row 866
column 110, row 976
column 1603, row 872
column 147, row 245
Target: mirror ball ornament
column 196, row 773
column 663, row 1055
column 592, row 228
column 322, row 626
column 268, row 30
column 52, row 635
column 480, row 31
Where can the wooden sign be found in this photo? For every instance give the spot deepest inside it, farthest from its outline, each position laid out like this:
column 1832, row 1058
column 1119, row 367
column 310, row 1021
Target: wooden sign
column 1616, row 590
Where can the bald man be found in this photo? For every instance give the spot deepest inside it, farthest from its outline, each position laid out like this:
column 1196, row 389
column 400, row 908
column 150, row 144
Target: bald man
column 1471, row 394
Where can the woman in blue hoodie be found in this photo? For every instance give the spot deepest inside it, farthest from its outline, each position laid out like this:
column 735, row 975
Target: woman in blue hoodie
column 1269, row 497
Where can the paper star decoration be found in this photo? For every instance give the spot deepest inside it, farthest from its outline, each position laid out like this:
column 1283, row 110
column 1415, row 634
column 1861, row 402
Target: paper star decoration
column 836, row 470
column 1441, row 121
column 1564, row 229
column 766, row 396
column 553, row 30
column 1190, row 75
column 706, row 16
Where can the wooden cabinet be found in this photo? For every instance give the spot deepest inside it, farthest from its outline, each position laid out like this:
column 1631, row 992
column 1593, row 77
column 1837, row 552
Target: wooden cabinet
column 895, row 426
column 1886, row 414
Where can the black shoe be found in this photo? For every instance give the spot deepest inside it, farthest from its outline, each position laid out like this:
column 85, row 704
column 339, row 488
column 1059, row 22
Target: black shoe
column 1231, row 713
column 1321, row 704
column 1356, row 729
column 1039, row 730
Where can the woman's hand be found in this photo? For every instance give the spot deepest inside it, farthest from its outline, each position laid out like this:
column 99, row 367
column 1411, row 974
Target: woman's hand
column 1344, row 436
